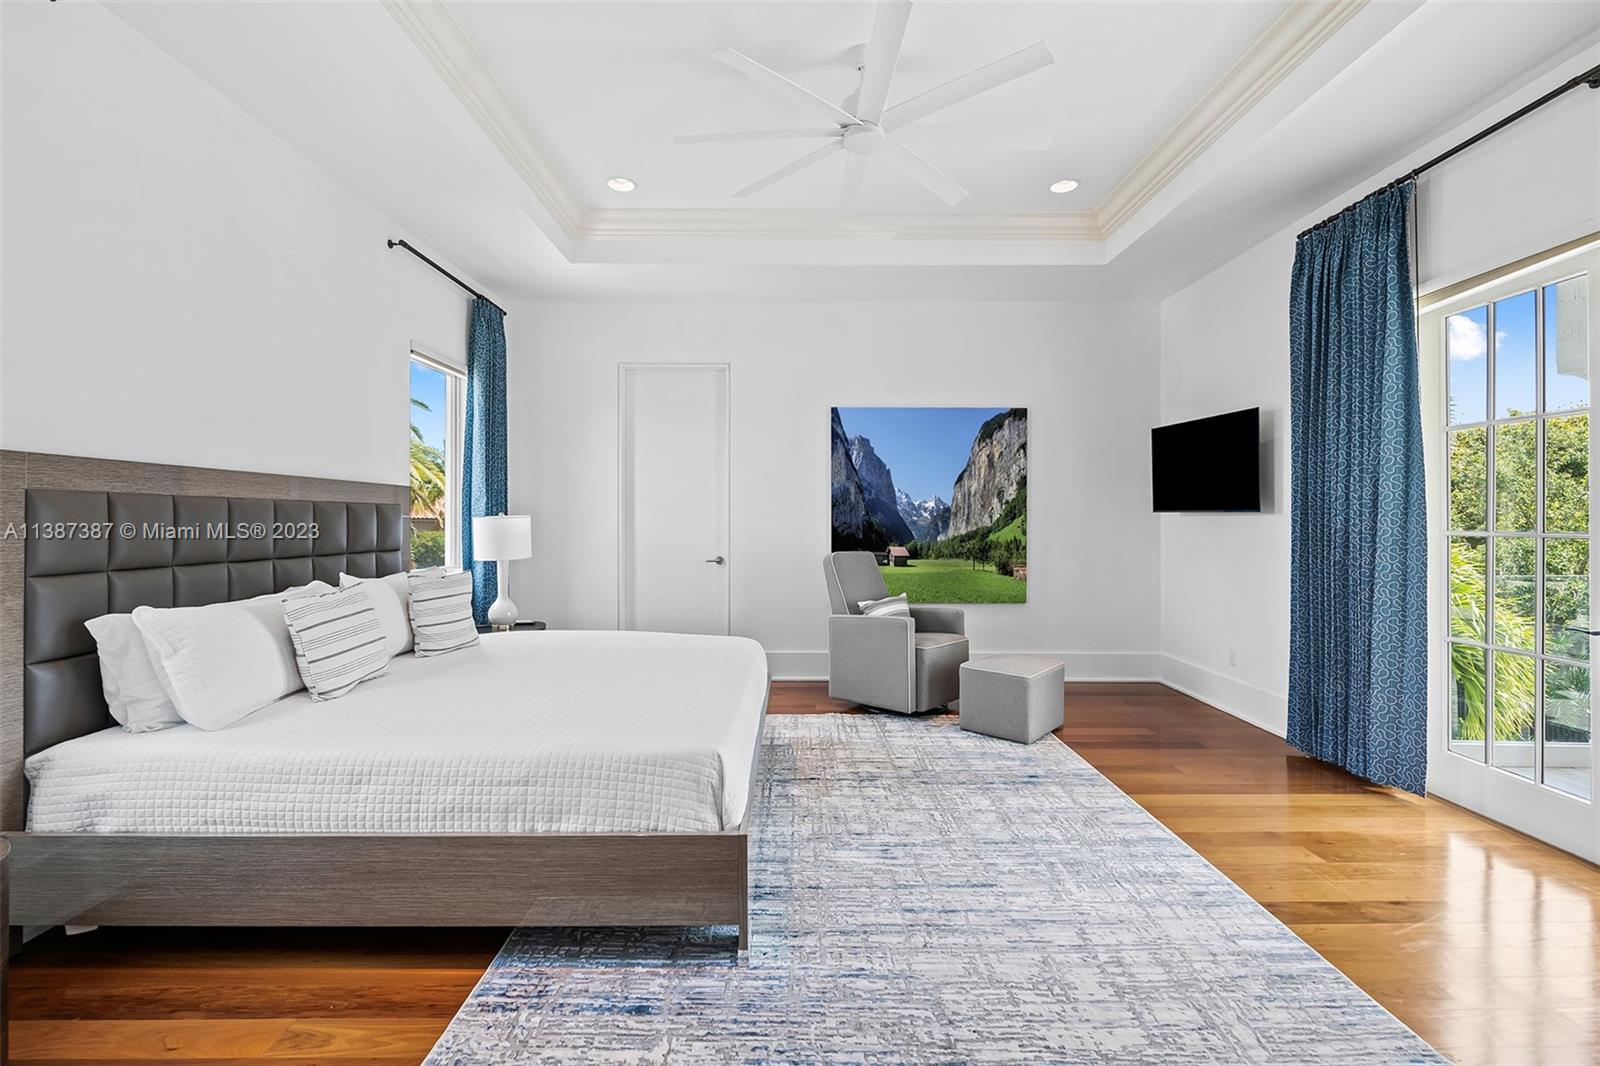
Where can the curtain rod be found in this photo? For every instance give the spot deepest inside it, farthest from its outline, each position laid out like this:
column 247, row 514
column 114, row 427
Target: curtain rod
column 476, row 294
column 1590, row 77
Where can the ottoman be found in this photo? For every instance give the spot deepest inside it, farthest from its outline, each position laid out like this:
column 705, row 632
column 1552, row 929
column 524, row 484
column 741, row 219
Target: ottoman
column 1013, row 697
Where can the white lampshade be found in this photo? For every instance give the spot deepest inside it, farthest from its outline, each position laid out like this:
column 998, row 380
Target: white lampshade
column 496, row 538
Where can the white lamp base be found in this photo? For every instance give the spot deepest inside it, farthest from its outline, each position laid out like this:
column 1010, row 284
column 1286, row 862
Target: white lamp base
column 502, row 612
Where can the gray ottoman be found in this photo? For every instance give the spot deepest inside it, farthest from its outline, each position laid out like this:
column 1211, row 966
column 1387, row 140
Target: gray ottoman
column 1013, row 697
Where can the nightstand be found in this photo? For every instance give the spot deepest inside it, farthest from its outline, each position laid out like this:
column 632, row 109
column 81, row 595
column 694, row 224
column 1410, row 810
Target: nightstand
column 520, row 627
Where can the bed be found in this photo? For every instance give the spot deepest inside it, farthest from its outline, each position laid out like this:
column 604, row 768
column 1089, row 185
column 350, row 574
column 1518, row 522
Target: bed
column 553, row 778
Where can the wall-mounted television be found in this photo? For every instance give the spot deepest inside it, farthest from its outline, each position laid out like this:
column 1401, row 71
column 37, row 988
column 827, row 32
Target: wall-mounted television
column 1208, row 464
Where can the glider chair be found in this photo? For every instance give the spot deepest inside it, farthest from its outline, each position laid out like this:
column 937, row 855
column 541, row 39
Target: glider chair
column 890, row 662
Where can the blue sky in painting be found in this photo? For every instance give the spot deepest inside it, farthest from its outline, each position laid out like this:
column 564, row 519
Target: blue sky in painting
column 924, row 447
column 428, row 385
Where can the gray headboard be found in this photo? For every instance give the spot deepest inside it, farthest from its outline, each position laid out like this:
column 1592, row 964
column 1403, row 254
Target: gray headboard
column 87, row 551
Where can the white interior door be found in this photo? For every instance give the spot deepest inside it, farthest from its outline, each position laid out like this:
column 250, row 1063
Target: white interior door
column 674, row 498
column 1514, row 612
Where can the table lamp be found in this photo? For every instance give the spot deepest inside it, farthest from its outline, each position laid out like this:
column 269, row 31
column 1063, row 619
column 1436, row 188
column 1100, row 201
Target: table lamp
column 499, row 539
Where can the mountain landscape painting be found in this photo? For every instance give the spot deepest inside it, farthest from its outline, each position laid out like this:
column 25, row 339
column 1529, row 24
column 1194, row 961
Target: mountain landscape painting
column 939, row 494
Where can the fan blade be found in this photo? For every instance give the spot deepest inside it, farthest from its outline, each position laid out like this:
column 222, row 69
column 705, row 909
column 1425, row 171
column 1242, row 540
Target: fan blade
column 883, row 51
column 756, row 135
column 931, row 177
column 793, row 168
column 1034, row 57
column 855, row 169
column 767, row 76
column 939, row 133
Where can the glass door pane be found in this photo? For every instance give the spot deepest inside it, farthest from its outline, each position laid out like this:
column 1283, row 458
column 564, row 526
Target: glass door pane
column 1469, row 687
column 1568, row 733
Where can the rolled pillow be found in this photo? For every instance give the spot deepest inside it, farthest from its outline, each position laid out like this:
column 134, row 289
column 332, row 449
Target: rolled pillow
column 890, row 605
column 127, row 676
column 441, row 612
column 338, row 640
column 223, row 661
column 391, row 598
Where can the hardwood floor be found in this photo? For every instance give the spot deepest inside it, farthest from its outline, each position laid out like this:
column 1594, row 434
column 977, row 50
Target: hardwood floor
column 1485, row 942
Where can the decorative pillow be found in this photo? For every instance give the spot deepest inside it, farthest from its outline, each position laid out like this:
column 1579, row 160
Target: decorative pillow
column 889, row 605
column 441, row 612
column 128, row 678
column 338, row 640
column 223, row 661
column 391, row 598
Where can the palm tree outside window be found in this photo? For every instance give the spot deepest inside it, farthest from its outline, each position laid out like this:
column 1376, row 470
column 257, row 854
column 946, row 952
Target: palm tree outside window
column 437, row 396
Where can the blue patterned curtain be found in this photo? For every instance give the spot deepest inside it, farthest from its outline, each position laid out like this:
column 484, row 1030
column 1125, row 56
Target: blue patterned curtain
column 1358, row 656
column 483, row 459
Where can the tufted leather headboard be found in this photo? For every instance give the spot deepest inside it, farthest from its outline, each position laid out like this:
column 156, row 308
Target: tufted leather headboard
column 49, row 674
column 92, row 553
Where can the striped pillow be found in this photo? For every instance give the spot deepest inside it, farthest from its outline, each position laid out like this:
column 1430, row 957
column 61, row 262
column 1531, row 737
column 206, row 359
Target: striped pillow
column 338, row 640
column 441, row 611
column 892, row 605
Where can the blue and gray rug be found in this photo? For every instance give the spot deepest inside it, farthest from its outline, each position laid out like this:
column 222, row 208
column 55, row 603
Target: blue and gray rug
column 924, row 895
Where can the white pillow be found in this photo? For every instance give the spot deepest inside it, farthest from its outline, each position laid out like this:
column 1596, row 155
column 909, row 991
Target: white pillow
column 441, row 612
column 391, row 598
column 222, row 661
column 128, row 678
column 889, row 605
column 338, row 640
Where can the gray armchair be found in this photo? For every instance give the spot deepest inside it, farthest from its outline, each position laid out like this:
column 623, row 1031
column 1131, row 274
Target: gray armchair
column 893, row 663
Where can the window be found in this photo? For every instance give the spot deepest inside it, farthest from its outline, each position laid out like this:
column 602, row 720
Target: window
column 1518, row 509
column 438, row 396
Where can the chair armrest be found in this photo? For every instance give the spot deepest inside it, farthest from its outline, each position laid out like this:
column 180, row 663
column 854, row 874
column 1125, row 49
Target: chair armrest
column 872, row 660
column 940, row 619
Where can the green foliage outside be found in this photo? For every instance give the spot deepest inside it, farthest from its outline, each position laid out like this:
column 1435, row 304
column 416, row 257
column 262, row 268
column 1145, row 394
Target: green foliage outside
column 1515, row 585
column 427, row 547
column 427, row 473
column 427, row 496
column 952, row 581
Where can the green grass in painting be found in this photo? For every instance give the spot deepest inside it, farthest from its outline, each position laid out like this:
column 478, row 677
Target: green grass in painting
column 1012, row 530
column 952, row 581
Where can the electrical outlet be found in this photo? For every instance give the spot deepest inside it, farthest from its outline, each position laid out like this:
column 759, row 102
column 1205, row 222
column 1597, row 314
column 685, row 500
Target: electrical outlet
column 1233, row 656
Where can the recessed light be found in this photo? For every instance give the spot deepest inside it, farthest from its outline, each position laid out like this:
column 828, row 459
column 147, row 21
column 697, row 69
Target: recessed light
column 1064, row 186
column 621, row 184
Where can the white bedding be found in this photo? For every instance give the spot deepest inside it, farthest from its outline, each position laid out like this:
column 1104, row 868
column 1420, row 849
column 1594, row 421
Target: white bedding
column 527, row 732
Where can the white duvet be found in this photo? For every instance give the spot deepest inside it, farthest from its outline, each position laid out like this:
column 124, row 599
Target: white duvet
column 527, row 732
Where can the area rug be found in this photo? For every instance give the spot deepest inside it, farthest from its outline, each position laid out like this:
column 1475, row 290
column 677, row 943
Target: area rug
column 925, row 895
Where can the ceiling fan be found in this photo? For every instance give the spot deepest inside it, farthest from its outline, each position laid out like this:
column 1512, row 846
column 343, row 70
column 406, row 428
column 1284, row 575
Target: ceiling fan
column 861, row 127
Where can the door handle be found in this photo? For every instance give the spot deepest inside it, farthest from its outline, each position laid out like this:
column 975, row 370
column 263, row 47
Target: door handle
column 719, row 560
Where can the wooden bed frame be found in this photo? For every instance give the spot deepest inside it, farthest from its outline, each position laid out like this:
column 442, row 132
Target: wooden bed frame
column 530, row 879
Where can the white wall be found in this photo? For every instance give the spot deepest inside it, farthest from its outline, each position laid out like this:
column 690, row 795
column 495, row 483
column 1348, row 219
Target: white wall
column 182, row 286
column 1224, row 345
column 1087, row 374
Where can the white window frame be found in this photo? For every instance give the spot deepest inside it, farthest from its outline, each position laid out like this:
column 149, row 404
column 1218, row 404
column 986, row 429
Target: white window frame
column 1532, row 806
column 455, row 423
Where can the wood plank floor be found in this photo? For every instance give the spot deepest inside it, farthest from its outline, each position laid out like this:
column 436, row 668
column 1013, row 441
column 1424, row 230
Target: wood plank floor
column 1485, row 942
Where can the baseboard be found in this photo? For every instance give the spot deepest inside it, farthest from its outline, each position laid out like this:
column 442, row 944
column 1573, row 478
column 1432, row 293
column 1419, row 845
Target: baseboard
column 1081, row 665
column 1258, row 706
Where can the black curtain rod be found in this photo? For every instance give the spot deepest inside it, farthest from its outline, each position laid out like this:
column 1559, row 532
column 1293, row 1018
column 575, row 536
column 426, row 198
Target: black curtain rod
column 476, row 294
column 1590, row 77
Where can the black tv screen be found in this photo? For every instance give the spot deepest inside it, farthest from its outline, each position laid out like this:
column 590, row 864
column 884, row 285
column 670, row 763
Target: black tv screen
column 1209, row 464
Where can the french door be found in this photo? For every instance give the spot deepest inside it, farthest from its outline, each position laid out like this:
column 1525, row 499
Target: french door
column 1516, row 611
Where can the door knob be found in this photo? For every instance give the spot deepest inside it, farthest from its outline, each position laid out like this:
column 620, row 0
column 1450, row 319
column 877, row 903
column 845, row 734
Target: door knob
column 719, row 560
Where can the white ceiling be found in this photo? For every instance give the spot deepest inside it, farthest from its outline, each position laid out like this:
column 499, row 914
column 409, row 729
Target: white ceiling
column 486, row 130
column 605, row 87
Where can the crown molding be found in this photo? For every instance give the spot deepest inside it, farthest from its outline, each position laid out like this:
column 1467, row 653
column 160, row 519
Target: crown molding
column 803, row 225
column 445, row 45
column 1298, row 31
